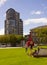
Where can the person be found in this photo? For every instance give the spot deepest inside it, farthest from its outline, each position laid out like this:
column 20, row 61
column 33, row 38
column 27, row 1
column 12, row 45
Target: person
column 31, row 47
column 31, row 44
column 27, row 45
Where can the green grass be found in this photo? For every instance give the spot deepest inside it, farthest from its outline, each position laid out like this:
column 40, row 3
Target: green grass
column 17, row 56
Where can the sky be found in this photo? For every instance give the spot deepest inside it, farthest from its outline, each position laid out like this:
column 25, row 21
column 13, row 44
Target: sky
column 32, row 12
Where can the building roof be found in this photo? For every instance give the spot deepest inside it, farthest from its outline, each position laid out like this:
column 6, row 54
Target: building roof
column 10, row 10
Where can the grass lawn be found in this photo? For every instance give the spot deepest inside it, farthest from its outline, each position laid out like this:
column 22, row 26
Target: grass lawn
column 17, row 56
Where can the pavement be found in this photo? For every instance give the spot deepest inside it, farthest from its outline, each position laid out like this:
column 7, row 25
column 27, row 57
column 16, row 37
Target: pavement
column 9, row 47
column 42, row 53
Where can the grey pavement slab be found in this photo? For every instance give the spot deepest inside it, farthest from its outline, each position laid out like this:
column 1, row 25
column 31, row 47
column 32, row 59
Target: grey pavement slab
column 42, row 53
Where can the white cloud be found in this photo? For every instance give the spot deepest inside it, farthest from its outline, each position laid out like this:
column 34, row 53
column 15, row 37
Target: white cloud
column 36, row 12
column 35, row 21
column 2, row 31
column 26, row 33
column 32, row 23
column 2, row 2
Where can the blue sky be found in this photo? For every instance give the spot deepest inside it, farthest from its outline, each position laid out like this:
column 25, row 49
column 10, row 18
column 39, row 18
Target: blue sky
column 32, row 12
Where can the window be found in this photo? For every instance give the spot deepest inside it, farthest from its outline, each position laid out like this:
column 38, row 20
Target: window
column 12, row 22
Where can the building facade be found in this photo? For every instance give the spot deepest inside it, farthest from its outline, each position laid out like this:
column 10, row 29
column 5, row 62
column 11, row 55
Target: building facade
column 13, row 23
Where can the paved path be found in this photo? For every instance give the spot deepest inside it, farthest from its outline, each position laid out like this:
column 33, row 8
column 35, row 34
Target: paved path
column 42, row 53
column 9, row 47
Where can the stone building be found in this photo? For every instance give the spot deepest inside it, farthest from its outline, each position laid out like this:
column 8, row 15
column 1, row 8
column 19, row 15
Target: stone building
column 13, row 23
